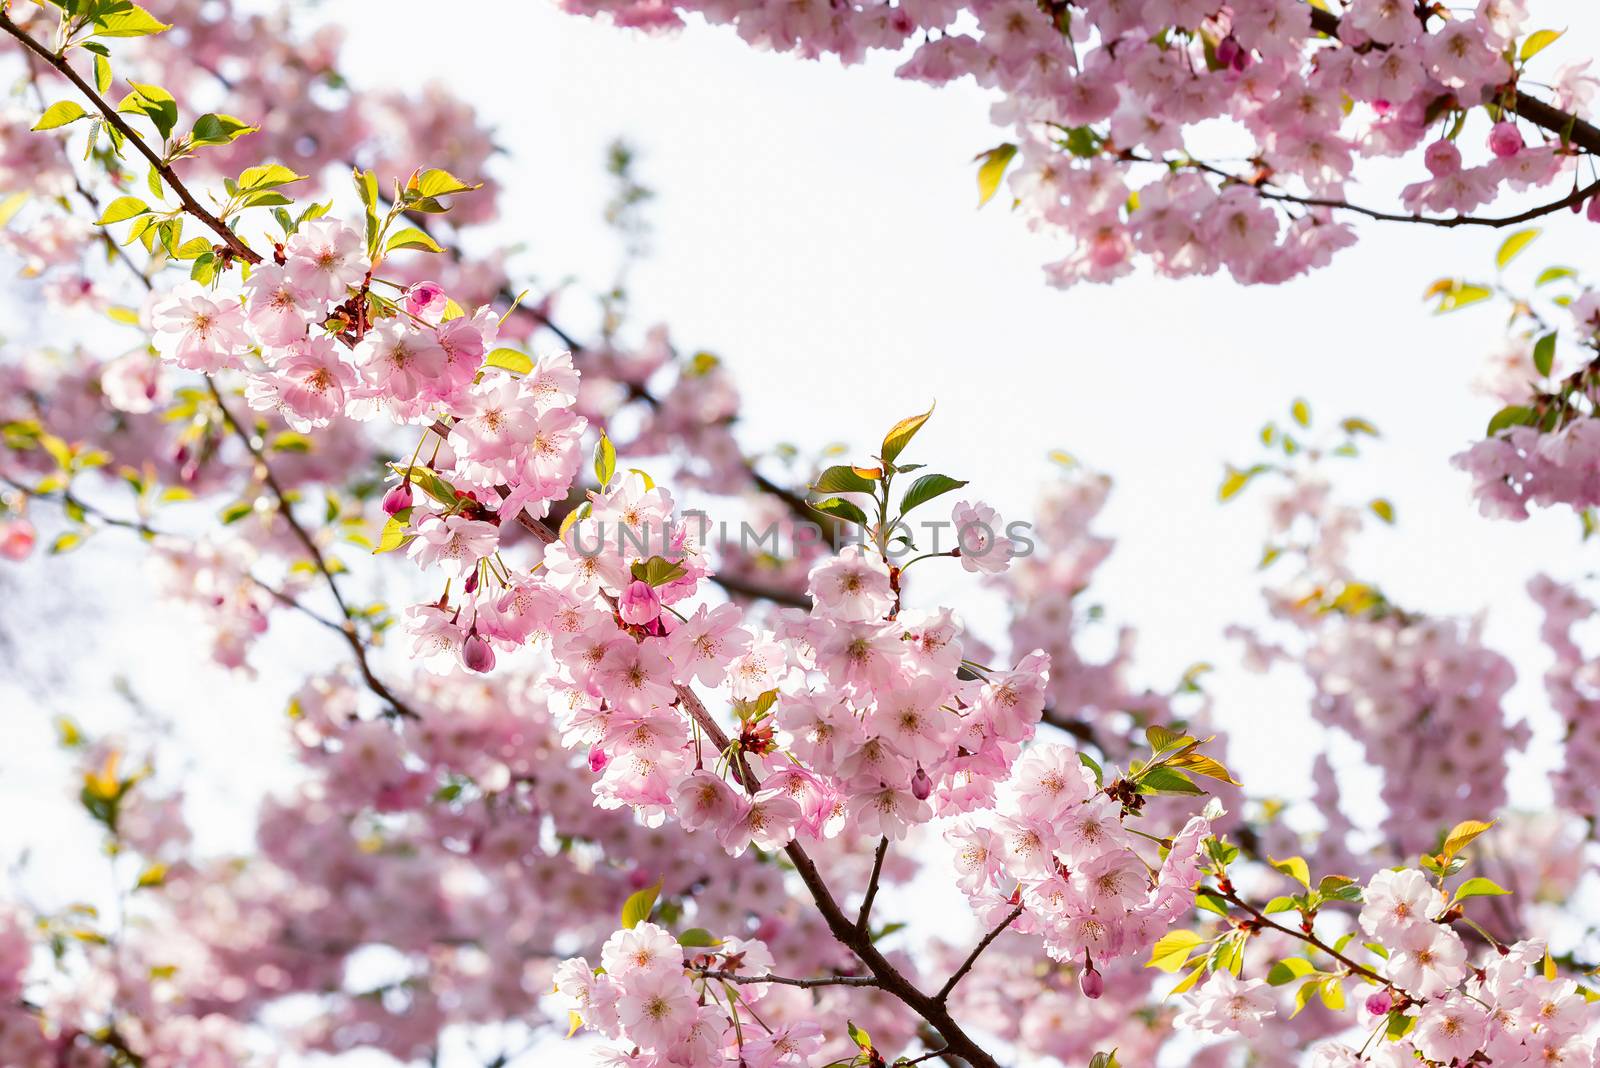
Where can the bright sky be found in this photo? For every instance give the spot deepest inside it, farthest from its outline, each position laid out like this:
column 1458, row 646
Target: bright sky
column 816, row 228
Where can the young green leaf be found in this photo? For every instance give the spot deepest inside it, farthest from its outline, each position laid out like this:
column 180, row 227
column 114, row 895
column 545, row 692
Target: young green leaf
column 122, row 209
column 992, row 169
column 926, row 489
column 639, row 905
column 1513, row 245
column 1544, row 354
column 508, row 360
column 411, row 237
column 900, row 435
column 59, row 114
column 842, row 478
column 605, row 460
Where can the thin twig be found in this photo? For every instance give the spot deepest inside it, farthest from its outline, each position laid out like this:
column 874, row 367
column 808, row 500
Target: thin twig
column 783, row 980
column 865, row 916
column 118, row 123
column 977, row 951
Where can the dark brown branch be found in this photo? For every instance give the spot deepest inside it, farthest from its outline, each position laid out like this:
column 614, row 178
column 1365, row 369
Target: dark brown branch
column 1261, row 919
column 823, row 980
column 118, row 123
column 977, row 951
column 865, row 917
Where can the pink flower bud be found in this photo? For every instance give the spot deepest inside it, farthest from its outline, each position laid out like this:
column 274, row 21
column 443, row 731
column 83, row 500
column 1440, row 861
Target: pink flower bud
column 1231, row 54
column 1091, row 982
column 426, row 300
column 1380, row 1003
column 16, row 539
column 1504, row 140
column 1592, row 213
column 476, row 654
column 598, row 760
column 639, row 603
column 1442, row 158
column 921, row 785
column 397, row 499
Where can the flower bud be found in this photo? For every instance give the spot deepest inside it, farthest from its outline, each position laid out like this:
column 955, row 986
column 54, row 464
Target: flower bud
column 921, row 785
column 1592, row 213
column 1380, row 1003
column 1091, row 982
column 426, row 300
column 1504, row 140
column 597, row 760
column 639, row 603
column 476, row 654
column 397, row 499
column 17, row 537
column 1442, row 158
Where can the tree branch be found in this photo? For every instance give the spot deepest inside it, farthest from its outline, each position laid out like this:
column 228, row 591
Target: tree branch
column 824, row 980
column 118, row 123
column 865, row 916
column 977, row 951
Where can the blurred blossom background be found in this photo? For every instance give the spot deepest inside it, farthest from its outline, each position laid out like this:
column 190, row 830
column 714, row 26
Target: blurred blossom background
column 815, row 228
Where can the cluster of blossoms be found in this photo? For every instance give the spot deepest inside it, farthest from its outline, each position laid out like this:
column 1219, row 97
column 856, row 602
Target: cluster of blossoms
column 1423, row 696
column 1058, row 850
column 1572, row 683
column 1102, row 93
column 1523, row 466
column 647, row 994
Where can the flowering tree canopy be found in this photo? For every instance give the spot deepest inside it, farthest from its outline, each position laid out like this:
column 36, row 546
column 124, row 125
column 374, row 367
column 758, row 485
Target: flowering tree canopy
column 657, row 719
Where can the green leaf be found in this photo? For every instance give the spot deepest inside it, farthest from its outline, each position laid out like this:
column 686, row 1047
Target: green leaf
column 1169, row 781
column 992, row 169
column 1479, row 887
column 437, row 183
column 153, row 102
column 1332, row 993
column 1510, row 416
column 123, row 209
column 128, row 20
column 1461, row 835
column 66, row 542
column 1554, row 274
column 696, row 937
column 102, row 74
column 59, row 114
column 657, row 571
column 839, row 508
column 1235, row 480
column 1537, row 42
column 267, row 176
column 509, row 360
column 1288, row 970
column 1457, row 294
column 213, row 129
column 411, row 237
column 395, row 534
column 637, row 908
column 605, row 460
column 1200, row 764
column 1382, row 508
column 1295, row 868
column 154, row 875
column 926, row 489
column 860, row 1037
column 1172, row 951
column 1301, row 412
column 901, row 433
column 1511, row 246
column 842, row 478
column 1544, row 354
column 9, row 206
column 1104, row 1060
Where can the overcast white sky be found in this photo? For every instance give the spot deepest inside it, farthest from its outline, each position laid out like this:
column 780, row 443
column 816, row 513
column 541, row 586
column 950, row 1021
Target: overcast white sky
column 815, row 227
